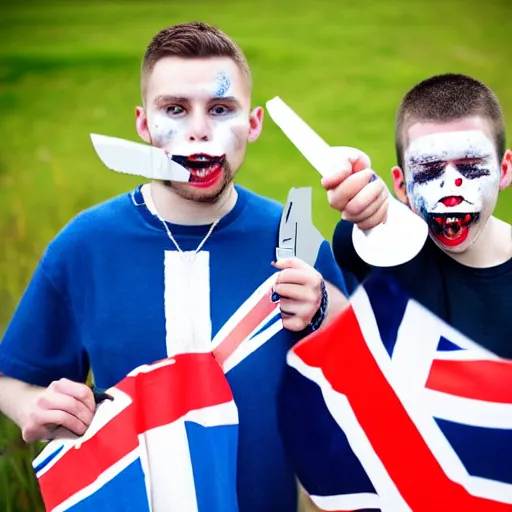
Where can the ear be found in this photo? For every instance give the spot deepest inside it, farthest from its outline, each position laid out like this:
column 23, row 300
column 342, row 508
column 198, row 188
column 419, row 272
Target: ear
column 506, row 170
column 399, row 184
column 141, row 123
column 256, row 123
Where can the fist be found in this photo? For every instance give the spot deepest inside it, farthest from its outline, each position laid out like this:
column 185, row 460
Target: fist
column 355, row 190
column 64, row 405
column 299, row 287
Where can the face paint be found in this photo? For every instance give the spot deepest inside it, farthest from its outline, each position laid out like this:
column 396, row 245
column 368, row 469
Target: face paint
column 204, row 133
column 452, row 182
column 222, row 85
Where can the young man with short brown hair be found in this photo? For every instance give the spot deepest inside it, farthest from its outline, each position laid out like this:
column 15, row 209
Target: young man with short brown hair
column 133, row 280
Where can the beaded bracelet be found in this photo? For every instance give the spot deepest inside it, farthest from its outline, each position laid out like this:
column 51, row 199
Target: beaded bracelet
column 320, row 315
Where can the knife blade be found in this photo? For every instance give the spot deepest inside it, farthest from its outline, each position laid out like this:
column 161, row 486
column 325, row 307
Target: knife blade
column 138, row 159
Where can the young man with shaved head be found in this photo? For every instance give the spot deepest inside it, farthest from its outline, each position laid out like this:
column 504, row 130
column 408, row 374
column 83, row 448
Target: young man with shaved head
column 452, row 163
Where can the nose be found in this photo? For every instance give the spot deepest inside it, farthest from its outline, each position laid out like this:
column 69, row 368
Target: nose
column 452, row 175
column 199, row 128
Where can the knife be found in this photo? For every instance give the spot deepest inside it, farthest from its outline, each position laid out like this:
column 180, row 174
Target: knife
column 298, row 236
column 392, row 243
column 138, row 159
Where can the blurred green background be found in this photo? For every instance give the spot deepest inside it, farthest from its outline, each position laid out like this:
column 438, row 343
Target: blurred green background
column 69, row 69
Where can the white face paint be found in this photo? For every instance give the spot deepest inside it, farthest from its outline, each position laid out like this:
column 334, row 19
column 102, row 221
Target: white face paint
column 452, row 182
column 198, row 111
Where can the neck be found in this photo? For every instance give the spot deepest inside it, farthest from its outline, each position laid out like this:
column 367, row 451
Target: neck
column 493, row 247
column 171, row 207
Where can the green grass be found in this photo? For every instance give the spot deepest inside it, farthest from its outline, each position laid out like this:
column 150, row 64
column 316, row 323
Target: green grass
column 71, row 68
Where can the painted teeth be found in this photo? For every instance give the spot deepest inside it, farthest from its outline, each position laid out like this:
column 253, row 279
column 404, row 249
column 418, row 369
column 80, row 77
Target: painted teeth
column 451, row 219
column 201, row 173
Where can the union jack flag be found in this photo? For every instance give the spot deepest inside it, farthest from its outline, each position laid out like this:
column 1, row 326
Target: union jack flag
column 389, row 408
column 168, row 440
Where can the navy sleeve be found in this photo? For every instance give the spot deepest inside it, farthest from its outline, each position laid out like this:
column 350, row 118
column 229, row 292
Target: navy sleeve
column 345, row 254
column 41, row 343
column 326, row 265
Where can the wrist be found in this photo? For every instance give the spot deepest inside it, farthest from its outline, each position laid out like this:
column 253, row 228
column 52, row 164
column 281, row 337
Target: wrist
column 320, row 315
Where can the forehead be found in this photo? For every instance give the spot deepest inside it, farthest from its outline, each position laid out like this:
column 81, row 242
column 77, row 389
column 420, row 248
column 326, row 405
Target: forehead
column 195, row 78
column 464, row 138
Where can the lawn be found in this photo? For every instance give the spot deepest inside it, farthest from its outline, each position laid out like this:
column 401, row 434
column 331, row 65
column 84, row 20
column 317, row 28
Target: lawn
column 71, row 68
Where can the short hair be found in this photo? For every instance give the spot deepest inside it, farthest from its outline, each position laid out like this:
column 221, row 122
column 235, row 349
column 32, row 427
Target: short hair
column 445, row 98
column 193, row 40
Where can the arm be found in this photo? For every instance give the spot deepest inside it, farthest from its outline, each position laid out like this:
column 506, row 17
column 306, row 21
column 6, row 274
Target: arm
column 40, row 357
column 43, row 413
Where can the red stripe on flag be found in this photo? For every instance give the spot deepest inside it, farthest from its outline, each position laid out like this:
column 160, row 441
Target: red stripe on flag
column 261, row 310
column 490, row 381
column 341, row 352
column 160, row 396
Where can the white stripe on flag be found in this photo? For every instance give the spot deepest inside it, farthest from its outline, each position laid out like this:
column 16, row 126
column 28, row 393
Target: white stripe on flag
column 340, row 409
column 187, row 302
column 170, row 467
column 347, row 502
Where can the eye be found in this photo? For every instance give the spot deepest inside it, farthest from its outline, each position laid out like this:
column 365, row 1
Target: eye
column 429, row 172
column 174, row 110
column 220, row 110
column 472, row 171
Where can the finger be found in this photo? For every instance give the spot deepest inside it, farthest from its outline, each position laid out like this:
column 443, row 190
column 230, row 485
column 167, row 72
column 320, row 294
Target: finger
column 52, row 400
column 295, row 263
column 50, row 417
column 357, row 159
column 307, row 276
column 296, row 292
column 342, row 195
column 369, row 211
column 290, row 307
column 368, row 195
column 77, row 390
column 296, row 316
column 294, row 323
column 377, row 218
column 335, row 179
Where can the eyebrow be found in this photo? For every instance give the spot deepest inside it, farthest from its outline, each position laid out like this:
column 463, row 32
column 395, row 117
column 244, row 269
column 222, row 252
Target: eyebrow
column 435, row 159
column 166, row 98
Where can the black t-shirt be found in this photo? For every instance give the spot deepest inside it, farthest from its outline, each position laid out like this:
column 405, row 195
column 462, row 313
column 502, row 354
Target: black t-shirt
column 475, row 301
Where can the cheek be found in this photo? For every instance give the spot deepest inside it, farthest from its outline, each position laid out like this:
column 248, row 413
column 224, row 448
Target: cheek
column 235, row 134
column 162, row 130
column 424, row 194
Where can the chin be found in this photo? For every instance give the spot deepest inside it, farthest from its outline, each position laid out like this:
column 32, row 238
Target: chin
column 201, row 194
column 457, row 245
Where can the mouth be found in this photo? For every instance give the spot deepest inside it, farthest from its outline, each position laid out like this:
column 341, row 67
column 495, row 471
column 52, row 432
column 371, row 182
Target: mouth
column 204, row 169
column 451, row 229
column 452, row 200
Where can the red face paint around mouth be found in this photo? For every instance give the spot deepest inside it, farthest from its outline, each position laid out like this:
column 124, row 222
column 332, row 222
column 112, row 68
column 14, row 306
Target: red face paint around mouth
column 205, row 170
column 451, row 230
column 452, row 200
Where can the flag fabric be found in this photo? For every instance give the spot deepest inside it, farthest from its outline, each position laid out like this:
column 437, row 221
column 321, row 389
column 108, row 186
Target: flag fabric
column 168, row 439
column 391, row 409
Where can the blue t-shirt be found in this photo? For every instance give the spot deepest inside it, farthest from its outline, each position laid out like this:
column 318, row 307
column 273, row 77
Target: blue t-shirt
column 98, row 300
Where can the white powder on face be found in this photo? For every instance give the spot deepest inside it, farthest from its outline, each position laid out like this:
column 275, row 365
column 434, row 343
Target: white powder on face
column 173, row 132
column 435, row 168
column 447, row 146
column 449, row 174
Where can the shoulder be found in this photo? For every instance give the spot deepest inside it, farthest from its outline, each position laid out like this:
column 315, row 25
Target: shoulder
column 259, row 206
column 87, row 230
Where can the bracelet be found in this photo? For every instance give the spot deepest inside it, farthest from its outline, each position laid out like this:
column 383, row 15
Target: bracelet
column 320, row 315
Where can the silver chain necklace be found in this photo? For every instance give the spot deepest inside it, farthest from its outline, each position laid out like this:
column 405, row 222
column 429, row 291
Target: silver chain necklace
column 171, row 237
